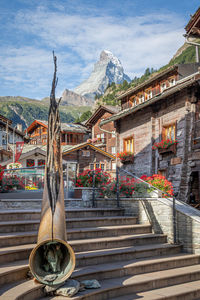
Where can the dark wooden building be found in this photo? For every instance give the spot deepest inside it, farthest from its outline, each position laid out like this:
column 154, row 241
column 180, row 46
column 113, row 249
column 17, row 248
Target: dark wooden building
column 88, row 156
column 106, row 140
column 165, row 106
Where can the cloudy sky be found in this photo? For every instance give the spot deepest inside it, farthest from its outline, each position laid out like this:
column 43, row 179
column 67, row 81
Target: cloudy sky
column 141, row 33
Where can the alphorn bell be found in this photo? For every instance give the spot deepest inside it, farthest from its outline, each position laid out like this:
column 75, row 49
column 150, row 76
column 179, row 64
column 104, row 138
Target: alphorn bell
column 52, row 261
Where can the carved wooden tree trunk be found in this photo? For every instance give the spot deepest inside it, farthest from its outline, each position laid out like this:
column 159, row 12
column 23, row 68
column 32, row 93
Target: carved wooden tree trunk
column 53, row 210
column 54, row 155
column 53, row 260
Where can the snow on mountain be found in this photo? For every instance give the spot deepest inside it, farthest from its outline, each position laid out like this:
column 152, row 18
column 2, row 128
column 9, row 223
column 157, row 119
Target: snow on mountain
column 107, row 70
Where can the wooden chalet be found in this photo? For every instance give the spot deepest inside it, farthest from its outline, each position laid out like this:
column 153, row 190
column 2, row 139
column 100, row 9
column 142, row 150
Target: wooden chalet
column 88, row 156
column 71, row 134
column 167, row 106
column 105, row 140
column 8, row 135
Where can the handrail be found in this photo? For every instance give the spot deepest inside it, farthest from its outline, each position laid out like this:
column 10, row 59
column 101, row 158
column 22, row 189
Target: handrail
column 24, row 168
column 173, row 205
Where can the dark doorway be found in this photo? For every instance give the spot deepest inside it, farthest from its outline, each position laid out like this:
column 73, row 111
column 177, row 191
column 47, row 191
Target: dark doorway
column 195, row 186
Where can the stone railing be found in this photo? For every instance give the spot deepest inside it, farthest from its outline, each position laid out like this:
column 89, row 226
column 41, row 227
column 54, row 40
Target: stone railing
column 159, row 213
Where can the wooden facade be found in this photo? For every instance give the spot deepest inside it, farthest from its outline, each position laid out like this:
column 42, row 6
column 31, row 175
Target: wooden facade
column 88, row 156
column 173, row 113
column 71, row 134
column 105, row 140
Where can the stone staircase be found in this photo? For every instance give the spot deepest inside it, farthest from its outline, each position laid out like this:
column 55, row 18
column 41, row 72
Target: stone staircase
column 129, row 261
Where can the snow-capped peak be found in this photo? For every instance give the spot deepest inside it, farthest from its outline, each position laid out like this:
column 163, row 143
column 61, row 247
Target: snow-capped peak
column 107, row 55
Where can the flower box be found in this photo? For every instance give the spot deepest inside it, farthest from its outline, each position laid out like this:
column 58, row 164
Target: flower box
column 171, row 148
column 126, row 157
column 127, row 160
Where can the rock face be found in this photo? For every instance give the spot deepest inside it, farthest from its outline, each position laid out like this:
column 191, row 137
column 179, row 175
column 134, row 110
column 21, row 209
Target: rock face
column 107, row 70
column 71, row 98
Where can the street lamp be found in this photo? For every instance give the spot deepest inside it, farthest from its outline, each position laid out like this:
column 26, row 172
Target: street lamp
column 14, row 143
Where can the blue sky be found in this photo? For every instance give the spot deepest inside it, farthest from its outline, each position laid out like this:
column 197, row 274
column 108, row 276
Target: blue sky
column 141, row 33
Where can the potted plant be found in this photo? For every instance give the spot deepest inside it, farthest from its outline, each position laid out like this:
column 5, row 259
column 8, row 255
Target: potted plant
column 84, row 181
column 126, row 157
column 166, row 146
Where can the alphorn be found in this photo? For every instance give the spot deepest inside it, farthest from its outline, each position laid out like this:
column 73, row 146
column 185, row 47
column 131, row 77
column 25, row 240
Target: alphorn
column 52, row 261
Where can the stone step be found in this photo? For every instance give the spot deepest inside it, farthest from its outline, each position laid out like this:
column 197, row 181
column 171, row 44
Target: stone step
column 16, row 215
column 20, row 252
column 124, row 253
column 20, row 238
column 17, row 271
column 117, row 242
column 119, row 287
column 22, row 290
column 32, row 225
column 116, row 287
column 184, row 291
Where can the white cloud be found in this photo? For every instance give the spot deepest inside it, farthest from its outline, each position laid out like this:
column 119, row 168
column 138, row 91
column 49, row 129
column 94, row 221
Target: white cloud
column 139, row 42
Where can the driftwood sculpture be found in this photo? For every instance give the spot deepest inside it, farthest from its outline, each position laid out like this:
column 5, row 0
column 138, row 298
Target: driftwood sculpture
column 52, row 261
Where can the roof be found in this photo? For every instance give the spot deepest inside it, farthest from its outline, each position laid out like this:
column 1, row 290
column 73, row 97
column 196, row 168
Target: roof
column 148, row 81
column 181, row 84
column 83, row 145
column 28, row 148
column 26, row 152
column 99, row 113
column 5, row 120
column 194, row 24
column 69, row 127
column 12, row 128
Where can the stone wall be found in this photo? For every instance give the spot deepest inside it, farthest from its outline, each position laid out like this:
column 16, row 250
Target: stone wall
column 159, row 213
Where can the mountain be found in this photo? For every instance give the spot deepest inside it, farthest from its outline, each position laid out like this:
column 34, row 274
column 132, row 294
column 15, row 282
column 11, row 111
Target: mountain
column 72, row 98
column 106, row 71
column 24, row 110
column 69, row 98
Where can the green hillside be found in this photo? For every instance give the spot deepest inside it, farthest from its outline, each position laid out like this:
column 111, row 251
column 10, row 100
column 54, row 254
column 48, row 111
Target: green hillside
column 24, row 110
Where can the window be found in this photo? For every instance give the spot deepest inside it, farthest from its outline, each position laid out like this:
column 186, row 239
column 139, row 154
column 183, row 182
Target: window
column 41, row 162
column 113, row 150
column 86, row 153
column 169, row 132
column 102, row 167
column 141, row 98
column 113, row 133
column 163, row 87
column 149, row 94
column 128, row 144
column 172, row 81
column 135, row 102
column 98, row 136
column 113, row 165
column 91, row 166
column 97, row 166
column 30, row 163
column 103, row 137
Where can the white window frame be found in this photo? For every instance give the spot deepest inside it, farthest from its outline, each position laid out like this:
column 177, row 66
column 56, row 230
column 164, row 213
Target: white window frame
column 141, row 98
column 163, row 87
column 172, row 81
column 113, row 150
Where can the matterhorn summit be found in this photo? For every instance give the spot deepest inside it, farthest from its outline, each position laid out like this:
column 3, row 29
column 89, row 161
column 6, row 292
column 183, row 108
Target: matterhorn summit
column 107, row 70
